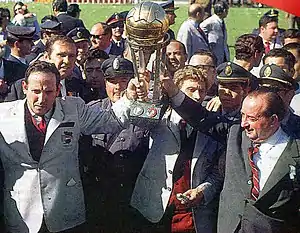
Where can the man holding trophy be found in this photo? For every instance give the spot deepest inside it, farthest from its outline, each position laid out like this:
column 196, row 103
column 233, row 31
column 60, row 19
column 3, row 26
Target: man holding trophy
column 177, row 187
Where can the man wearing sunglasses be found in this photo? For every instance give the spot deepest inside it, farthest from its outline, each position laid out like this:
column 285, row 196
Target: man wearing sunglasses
column 281, row 82
column 101, row 35
column 116, row 23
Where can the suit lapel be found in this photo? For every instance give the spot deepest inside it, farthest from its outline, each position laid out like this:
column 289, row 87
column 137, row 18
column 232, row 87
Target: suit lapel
column 246, row 143
column 282, row 167
column 201, row 141
column 55, row 120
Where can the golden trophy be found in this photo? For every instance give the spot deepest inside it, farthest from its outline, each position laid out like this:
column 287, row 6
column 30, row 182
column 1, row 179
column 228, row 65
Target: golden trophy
column 146, row 28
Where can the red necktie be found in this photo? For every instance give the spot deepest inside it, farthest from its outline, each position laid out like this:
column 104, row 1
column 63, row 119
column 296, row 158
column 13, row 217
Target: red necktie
column 267, row 47
column 41, row 126
column 255, row 173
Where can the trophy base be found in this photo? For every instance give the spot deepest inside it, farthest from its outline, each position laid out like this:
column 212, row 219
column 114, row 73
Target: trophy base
column 151, row 111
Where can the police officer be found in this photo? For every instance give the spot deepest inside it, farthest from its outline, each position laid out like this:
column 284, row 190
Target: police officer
column 81, row 37
column 116, row 23
column 19, row 39
column 170, row 11
column 50, row 26
column 123, row 153
column 281, row 82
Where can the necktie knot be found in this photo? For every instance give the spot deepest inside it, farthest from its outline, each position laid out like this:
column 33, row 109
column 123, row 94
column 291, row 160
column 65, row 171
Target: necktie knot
column 40, row 123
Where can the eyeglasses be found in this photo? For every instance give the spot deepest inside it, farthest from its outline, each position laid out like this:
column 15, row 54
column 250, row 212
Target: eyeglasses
column 117, row 25
column 17, row 9
column 98, row 37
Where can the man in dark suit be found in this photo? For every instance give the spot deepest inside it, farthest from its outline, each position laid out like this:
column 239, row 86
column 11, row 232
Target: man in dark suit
column 19, row 39
column 116, row 23
column 261, row 189
column 61, row 51
column 60, row 8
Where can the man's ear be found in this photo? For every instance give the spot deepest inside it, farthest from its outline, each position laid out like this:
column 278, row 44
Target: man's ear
column 24, row 87
column 46, row 56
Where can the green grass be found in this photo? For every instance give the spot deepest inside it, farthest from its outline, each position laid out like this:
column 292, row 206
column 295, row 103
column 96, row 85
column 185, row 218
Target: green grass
column 239, row 20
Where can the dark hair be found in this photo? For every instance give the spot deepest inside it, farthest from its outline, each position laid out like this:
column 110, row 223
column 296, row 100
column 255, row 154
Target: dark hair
column 203, row 52
column 264, row 20
column 60, row 5
column 105, row 26
column 4, row 13
column 290, row 33
column 288, row 57
column 53, row 39
column 96, row 54
column 246, row 46
column 220, row 7
column 292, row 46
column 49, row 17
column 20, row 4
column 42, row 67
column 73, row 9
column 181, row 44
column 274, row 103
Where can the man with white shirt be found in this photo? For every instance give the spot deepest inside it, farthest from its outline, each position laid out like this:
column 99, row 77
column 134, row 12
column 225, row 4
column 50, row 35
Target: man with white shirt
column 101, row 37
column 19, row 39
column 60, row 50
column 260, row 192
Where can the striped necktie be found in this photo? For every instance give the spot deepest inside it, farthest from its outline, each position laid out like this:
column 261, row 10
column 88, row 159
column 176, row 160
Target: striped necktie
column 255, row 172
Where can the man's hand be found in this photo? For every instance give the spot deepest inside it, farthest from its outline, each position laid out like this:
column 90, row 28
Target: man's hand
column 214, row 104
column 194, row 197
column 3, row 86
column 169, row 86
column 137, row 90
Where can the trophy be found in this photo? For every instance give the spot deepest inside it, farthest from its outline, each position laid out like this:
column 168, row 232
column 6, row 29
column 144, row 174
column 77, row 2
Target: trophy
column 146, row 28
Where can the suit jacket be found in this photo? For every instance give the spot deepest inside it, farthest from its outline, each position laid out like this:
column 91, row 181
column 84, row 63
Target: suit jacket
column 13, row 71
column 69, row 22
column 190, row 36
column 212, row 27
column 155, row 181
column 117, row 50
column 51, row 188
column 276, row 210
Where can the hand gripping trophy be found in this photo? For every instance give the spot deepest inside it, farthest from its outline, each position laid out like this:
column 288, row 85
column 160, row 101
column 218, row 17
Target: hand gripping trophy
column 146, row 28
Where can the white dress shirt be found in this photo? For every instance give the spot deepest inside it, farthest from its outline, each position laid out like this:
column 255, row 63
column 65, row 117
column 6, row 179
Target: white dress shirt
column 1, row 70
column 268, row 155
column 63, row 89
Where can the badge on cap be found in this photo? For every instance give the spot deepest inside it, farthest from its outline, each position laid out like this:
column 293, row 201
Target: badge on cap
column 79, row 35
column 117, row 17
column 228, row 70
column 116, row 64
column 267, row 71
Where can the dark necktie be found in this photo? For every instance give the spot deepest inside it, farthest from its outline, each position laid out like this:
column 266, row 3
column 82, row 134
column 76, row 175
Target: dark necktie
column 183, row 132
column 223, row 27
column 255, row 172
column 203, row 34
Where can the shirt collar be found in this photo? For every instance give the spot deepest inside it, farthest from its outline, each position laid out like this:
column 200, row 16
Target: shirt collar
column 21, row 59
column 107, row 50
column 271, row 141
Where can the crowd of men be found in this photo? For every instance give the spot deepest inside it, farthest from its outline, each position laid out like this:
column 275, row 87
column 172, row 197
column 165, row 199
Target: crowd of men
column 224, row 157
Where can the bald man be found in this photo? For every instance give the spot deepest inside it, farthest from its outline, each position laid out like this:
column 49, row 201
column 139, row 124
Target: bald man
column 190, row 33
column 101, row 37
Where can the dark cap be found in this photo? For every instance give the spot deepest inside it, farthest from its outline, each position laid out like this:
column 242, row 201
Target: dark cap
column 20, row 33
column 271, row 74
column 50, row 25
column 169, row 6
column 79, row 34
column 231, row 72
column 117, row 67
column 272, row 13
column 115, row 18
column 73, row 8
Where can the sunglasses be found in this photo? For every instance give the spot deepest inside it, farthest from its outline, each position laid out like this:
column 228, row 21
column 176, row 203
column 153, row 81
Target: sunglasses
column 98, row 37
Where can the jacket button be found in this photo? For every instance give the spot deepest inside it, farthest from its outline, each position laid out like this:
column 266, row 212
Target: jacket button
column 170, row 171
column 122, row 139
column 169, row 189
column 249, row 182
